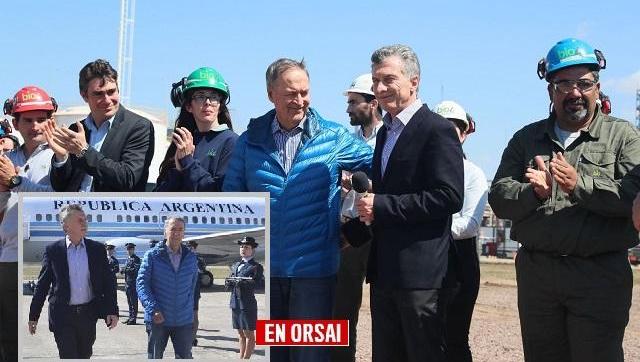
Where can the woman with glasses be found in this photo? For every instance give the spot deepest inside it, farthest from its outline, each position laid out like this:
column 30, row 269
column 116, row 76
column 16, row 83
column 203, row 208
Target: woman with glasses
column 203, row 138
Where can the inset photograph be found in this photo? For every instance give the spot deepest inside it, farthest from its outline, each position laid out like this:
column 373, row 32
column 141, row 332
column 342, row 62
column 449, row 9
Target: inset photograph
column 131, row 277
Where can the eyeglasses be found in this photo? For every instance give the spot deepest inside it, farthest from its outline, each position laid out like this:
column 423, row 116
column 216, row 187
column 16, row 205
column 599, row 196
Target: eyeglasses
column 566, row 86
column 200, row 98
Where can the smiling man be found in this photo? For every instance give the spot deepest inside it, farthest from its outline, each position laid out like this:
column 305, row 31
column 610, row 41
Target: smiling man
column 26, row 169
column 567, row 182
column 111, row 149
column 418, row 184
column 297, row 156
column 80, row 287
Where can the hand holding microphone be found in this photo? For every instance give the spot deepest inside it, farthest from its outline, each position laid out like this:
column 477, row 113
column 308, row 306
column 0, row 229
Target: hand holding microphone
column 360, row 183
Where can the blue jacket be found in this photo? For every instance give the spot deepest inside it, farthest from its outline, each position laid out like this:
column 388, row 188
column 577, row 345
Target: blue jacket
column 305, row 204
column 160, row 288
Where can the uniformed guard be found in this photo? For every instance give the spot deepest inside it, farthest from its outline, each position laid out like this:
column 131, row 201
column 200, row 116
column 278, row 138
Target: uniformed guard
column 130, row 272
column 246, row 275
column 114, row 266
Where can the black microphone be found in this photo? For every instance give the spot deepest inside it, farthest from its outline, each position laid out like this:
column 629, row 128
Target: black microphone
column 360, row 183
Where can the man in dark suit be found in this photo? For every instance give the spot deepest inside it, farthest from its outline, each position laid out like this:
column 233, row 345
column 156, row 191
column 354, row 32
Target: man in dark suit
column 111, row 149
column 82, row 288
column 418, row 182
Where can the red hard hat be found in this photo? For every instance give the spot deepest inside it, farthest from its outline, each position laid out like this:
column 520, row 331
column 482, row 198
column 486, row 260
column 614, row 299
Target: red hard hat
column 30, row 98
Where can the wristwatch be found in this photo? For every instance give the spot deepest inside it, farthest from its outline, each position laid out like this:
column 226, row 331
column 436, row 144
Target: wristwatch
column 15, row 181
column 83, row 151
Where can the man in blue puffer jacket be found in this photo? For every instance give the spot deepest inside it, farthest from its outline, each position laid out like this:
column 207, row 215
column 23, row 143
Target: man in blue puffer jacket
column 297, row 156
column 165, row 284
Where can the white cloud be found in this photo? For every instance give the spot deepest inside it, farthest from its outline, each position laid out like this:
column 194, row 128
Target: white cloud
column 627, row 84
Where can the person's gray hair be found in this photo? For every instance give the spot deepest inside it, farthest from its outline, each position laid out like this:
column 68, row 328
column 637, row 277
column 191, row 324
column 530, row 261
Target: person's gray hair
column 174, row 219
column 67, row 210
column 280, row 66
column 411, row 64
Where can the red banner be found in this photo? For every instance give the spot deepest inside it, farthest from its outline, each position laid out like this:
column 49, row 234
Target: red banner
column 298, row 332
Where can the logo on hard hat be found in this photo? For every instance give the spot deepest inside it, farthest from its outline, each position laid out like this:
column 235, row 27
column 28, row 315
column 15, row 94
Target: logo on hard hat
column 30, row 96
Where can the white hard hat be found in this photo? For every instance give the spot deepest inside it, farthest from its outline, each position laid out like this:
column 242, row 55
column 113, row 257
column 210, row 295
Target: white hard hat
column 362, row 84
column 452, row 110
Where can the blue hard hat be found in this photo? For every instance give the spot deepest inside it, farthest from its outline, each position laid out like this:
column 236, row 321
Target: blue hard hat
column 570, row 52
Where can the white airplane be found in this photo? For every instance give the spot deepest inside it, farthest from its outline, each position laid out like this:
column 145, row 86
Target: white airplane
column 215, row 222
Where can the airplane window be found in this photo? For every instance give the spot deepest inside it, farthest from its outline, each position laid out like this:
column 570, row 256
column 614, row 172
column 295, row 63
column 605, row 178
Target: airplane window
column 213, row 219
column 89, row 218
column 57, row 218
column 194, row 219
column 99, row 217
column 221, row 220
column 38, row 217
column 186, row 219
column 128, row 218
column 204, row 219
column 255, row 221
column 164, row 218
column 154, row 218
column 230, row 220
column 137, row 218
column 238, row 220
column 119, row 218
column 48, row 217
column 262, row 221
column 146, row 218
column 247, row 221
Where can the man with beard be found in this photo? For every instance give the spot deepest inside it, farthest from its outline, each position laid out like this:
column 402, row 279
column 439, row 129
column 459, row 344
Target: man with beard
column 567, row 182
column 366, row 114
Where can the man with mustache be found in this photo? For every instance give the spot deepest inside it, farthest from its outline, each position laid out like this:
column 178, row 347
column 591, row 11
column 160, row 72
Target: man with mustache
column 567, row 182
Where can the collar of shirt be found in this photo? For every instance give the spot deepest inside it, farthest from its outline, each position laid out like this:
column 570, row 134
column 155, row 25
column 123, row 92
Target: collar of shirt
column 374, row 134
column 246, row 260
column 275, row 127
column 170, row 251
column 69, row 243
column 404, row 116
column 91, row 124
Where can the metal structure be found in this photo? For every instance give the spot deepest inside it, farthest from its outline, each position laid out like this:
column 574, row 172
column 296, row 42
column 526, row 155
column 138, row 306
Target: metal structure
column 125, row 48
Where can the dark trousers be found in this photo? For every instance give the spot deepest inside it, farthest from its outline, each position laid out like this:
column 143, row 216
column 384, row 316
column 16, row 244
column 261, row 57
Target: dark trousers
column 159, row 334
column 348, row 299
column 132, row 300
column 77, row 333
column 8, row 312
column 573, row 308
column 301, row 298
column 408, row 324
column 460, row 309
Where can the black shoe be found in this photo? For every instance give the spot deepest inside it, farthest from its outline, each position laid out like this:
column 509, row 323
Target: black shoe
column 195, row 342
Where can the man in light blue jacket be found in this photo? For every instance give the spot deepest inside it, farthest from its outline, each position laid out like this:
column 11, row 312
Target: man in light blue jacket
column 297, row 156
column 165, row 284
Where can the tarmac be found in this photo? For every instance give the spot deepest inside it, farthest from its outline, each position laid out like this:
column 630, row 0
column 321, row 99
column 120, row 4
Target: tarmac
column 217, row 340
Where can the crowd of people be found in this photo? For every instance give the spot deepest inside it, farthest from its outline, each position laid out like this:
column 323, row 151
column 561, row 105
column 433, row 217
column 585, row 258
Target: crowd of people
column 567, row 182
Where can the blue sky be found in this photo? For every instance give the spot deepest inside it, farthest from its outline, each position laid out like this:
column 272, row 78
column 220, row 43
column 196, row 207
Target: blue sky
column 481, row 54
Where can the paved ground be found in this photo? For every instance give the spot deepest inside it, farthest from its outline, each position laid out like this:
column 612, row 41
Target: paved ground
column 217, row 340
column 495, row 329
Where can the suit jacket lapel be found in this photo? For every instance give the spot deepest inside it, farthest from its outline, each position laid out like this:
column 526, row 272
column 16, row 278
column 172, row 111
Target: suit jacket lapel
column 404, row 139
column 377, row 155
